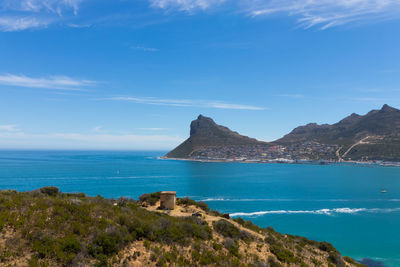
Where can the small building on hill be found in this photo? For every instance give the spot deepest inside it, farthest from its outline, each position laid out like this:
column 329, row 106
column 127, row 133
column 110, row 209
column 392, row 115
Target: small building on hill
column 167, row 200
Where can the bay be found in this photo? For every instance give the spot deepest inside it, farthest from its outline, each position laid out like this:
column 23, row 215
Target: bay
column 341, row 204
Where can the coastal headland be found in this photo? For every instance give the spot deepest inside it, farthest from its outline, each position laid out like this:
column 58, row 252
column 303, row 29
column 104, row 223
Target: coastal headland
column 49, row 228
column 371, row 139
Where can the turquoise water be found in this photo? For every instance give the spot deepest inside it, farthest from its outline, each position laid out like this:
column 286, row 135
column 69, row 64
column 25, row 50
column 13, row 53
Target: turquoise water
column 341, row 204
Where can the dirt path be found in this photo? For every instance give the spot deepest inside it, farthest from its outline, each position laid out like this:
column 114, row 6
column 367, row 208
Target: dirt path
column 338, row 154
column 361, row 142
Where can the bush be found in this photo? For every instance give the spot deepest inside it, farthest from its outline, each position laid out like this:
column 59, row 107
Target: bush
column 123, row 201
column 249, row 225
column 349, row 260
column 273, row 263
column 207, row 258
column 216, row 246
column 190, row 202
column 49, row 190
column 105, row 244
column 336, row 259
column 215, row 213
column 325, row 246
column 226, row 229
column 186, row 201
column 283, row 254
column 203, row 206
column 231, row 246
column 150, row 199
column 70, row 244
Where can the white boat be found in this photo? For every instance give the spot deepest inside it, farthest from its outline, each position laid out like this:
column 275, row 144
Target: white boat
column 383, row 191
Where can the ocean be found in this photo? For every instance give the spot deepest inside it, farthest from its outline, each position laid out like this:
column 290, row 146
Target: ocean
column 341, row 204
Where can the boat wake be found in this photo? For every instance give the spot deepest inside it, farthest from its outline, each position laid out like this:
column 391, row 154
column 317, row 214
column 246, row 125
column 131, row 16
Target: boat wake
column 320, row 211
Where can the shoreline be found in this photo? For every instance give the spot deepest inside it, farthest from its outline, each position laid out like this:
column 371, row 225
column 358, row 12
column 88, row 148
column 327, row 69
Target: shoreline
column 286, row 161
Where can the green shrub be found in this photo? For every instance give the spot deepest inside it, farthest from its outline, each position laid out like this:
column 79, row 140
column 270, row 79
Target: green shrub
column 203, row 206
column 336, row 259
column 248, row 225
column 232, row 246
column 283, row 254
column 151, row 198
column 207, row 257
column 70, row 244
column 190, row 202
column 325, row 246
column 186, row 201
column 215, row 213
column 105, row 244
column 49, row 190
column 217, row 246
column 273, row 263
column 44, row 246
column 195, row 255
column 226, row 229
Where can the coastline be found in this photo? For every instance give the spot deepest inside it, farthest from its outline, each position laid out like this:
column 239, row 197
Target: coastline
column 286, row 161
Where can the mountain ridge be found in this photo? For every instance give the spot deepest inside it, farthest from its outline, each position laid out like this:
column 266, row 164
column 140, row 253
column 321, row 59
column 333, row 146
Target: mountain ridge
column 373, row 136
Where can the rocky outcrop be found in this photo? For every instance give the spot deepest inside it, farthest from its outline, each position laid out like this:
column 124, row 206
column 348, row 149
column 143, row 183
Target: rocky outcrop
column 204, row 132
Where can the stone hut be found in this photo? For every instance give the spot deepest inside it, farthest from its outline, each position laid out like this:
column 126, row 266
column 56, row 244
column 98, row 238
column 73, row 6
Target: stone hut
column 167, row 200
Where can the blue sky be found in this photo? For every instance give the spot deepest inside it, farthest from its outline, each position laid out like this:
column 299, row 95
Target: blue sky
column 132, row 74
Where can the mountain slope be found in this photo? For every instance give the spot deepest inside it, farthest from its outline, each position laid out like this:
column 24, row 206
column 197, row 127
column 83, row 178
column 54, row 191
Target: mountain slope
column 383, row 122
column 374, row 136
column 204, row 132
column 48, row 228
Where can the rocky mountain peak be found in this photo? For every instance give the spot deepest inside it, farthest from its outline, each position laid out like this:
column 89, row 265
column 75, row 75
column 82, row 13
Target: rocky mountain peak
column 201, row 125
column 387, row 108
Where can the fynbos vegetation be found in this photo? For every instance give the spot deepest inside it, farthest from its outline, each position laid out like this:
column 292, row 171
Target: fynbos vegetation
column 50, row 228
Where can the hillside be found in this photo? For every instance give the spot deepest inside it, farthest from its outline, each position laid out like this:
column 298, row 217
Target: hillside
column 383, row 122
column 48, row 228
column 374, row 136
column 204, row 132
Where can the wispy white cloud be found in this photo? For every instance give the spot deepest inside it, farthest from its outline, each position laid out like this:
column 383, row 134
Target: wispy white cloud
column 73, row 25
column 328, row 13
column 32, row 14
column 321, row 13
column 144, row 48
column 185, row 5
column 20, row 140
column 36, row 6
column 185, row 103
column 11, row 24
column 52, row 82
column 9, row 128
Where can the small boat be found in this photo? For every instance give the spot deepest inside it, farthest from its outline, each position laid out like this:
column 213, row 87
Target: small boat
column 383, row 191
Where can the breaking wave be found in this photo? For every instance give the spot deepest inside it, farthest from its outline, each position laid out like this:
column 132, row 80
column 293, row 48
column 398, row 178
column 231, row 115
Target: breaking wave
column 320, row 211
column 215, row 199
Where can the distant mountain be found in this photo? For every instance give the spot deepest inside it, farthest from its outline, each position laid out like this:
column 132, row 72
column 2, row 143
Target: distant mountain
column 204, row 132
column 374, row 136
column 383, row 122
